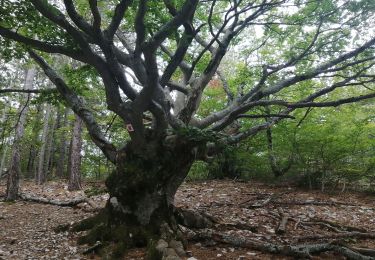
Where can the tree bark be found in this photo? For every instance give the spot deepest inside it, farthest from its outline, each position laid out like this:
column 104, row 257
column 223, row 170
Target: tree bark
column 3, row 158
column 75, row 156
column 140, row 209
column 50, row 147
column 41, row 176
column 15, row 167
column 4, row 146
column 30, row 169
column 62, row 148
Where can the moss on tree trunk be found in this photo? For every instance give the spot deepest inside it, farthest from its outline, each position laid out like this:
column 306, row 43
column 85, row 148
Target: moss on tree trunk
column 140, row 209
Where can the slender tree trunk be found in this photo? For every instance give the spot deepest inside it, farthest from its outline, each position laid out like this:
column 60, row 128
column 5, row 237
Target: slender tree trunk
column 4, row 146
column 75, row 156
column 30, row 169
column 15, row 167
column 3, row 158
column 41, row 176
column 60, row 166
column 50, row 147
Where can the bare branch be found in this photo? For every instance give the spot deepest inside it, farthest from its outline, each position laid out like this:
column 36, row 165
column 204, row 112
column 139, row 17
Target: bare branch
column 182, row 16
column 96, row 15
column 117, row 18
column 77, row 18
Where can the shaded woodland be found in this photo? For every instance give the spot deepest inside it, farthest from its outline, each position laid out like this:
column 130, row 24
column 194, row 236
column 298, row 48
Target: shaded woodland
column 187, row 129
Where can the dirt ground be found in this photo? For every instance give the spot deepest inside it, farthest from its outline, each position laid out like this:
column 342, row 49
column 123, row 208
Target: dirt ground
column 246, row 209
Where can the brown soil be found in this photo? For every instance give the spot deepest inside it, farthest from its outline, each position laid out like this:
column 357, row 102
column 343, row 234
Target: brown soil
column 27, row 228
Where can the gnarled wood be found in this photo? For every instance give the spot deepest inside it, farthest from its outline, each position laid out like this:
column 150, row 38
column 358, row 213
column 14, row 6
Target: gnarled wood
column 299, row 251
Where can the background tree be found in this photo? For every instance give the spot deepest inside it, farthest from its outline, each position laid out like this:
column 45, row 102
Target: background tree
column 15, row 161
column 74, row 165
column 143, row 51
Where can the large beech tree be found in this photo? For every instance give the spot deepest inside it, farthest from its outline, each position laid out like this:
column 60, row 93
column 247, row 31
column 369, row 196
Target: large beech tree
column 155, row 60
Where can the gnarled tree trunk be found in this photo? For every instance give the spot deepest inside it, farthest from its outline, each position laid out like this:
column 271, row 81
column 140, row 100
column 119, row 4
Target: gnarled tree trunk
column 140, row 209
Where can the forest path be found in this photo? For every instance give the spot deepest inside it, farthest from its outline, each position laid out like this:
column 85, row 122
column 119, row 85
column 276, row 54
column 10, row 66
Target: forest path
column 246, row 209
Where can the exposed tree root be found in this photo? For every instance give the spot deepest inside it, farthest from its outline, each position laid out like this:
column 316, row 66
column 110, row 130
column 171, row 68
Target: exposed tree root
column 162, row 242
column 200, row 220
column 364, row 251
column 61, row 203
column 342, row 235
column 298, row 251
column 93, row 248
column 343, row 228
column 193, row 219
column 312, row 202
column 333, row 226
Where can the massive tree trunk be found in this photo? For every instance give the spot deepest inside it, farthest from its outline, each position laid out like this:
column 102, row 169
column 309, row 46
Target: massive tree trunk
column 140, row 209
column 15, row 167
column 74, row 165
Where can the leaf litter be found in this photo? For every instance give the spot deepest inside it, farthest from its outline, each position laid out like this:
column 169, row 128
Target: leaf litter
column 247, row 209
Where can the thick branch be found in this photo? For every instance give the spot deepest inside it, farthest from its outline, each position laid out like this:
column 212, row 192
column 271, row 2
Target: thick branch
column 96, row 15
column 77, row 105
column 182, row 16
column 77, row 18
column 42, row 46
column 117, row 18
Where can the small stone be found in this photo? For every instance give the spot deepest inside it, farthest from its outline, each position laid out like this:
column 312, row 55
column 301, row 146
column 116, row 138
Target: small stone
column 241, row 257
column 170, row 254
column 189, row 254
column 161, row 246
column 192, row 258
column 178, row 247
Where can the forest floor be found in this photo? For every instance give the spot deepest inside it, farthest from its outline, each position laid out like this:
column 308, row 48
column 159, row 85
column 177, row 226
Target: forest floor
column 241, row 209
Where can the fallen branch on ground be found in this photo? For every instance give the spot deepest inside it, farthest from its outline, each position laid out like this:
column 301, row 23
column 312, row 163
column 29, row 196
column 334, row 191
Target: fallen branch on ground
column 281, row 229
column 300, row 251
column 262, row 203
column 61, row 203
